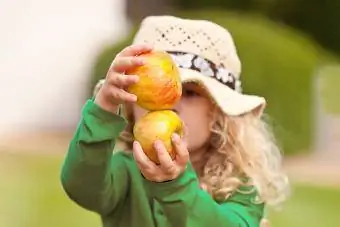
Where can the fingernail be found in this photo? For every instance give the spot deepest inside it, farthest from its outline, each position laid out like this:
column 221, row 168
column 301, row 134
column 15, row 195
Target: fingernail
column 141, row 62
column 133, row 97
column 158, row 145
column 135, row 78
column 175, row 137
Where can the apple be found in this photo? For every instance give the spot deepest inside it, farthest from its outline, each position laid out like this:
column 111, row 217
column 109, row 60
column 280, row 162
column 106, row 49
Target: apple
column 159, row 86
column 158, row 125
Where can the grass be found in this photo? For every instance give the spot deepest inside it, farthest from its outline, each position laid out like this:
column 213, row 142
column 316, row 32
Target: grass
column 31, row 196
column 311, row 206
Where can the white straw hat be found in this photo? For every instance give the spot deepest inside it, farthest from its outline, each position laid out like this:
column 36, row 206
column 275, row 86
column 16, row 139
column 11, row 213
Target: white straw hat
column 205, row 53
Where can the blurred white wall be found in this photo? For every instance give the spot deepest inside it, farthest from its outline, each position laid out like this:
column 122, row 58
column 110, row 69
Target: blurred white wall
column 46, row 52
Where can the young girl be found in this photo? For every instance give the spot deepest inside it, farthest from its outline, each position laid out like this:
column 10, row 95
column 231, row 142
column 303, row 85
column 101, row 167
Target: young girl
column 227, row 166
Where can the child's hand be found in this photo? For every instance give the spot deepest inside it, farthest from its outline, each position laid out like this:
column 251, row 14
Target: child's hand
column 168, row 169
column 112, row 92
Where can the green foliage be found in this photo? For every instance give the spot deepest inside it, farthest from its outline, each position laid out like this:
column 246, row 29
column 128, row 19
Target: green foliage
column 311, row 206
column 32, row 196
column 329, row 85
column 317, row 18
column 265, row 6
column 278, row 63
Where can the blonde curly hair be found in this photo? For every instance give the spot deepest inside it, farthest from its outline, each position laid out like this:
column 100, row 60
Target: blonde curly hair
column 241, row 147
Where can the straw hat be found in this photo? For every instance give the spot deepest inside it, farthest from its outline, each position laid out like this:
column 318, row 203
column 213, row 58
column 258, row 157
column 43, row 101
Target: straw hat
column 205, row 53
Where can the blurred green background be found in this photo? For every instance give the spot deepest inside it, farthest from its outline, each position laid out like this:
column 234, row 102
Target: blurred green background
column 284, row 46
column 33, row 197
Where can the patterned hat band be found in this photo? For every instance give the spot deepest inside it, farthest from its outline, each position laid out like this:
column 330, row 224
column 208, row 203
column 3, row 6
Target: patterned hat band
column 207, row 68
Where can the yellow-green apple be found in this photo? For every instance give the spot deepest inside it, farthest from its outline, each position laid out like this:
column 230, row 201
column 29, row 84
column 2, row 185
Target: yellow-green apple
column 158, row 125
column 159, row 86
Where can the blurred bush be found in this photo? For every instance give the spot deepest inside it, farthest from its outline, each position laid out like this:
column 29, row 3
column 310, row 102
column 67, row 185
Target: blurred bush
column 317, row 18
column 329, row 85
column 278, row 63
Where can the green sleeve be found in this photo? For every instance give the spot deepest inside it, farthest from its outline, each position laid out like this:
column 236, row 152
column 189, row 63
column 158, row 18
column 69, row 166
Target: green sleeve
column 185, row 204
column 91, row 175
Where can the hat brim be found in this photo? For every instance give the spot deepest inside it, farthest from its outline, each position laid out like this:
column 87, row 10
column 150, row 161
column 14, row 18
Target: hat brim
column 231, row 102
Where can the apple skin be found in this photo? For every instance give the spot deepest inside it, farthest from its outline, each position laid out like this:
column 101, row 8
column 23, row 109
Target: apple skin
column 158, row 125
column 159, row 86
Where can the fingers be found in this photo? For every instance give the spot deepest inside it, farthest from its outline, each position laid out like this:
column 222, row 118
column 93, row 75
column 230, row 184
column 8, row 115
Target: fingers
column 166, row 163
column 167, row 170
column 181, row 149
column 120, row 94
column 112, row 88
column 142, row 160
column 135, row 50
column 122, row 64
column 121, row 80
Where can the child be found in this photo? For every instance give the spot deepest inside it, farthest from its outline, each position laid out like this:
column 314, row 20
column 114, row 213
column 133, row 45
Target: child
column 228, row 150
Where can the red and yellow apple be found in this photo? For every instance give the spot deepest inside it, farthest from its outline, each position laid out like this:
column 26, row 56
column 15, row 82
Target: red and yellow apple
column 158, row 125
column 159, row 86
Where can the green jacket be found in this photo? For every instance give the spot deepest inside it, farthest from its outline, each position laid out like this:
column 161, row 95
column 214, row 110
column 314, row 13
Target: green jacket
column 110, row 184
